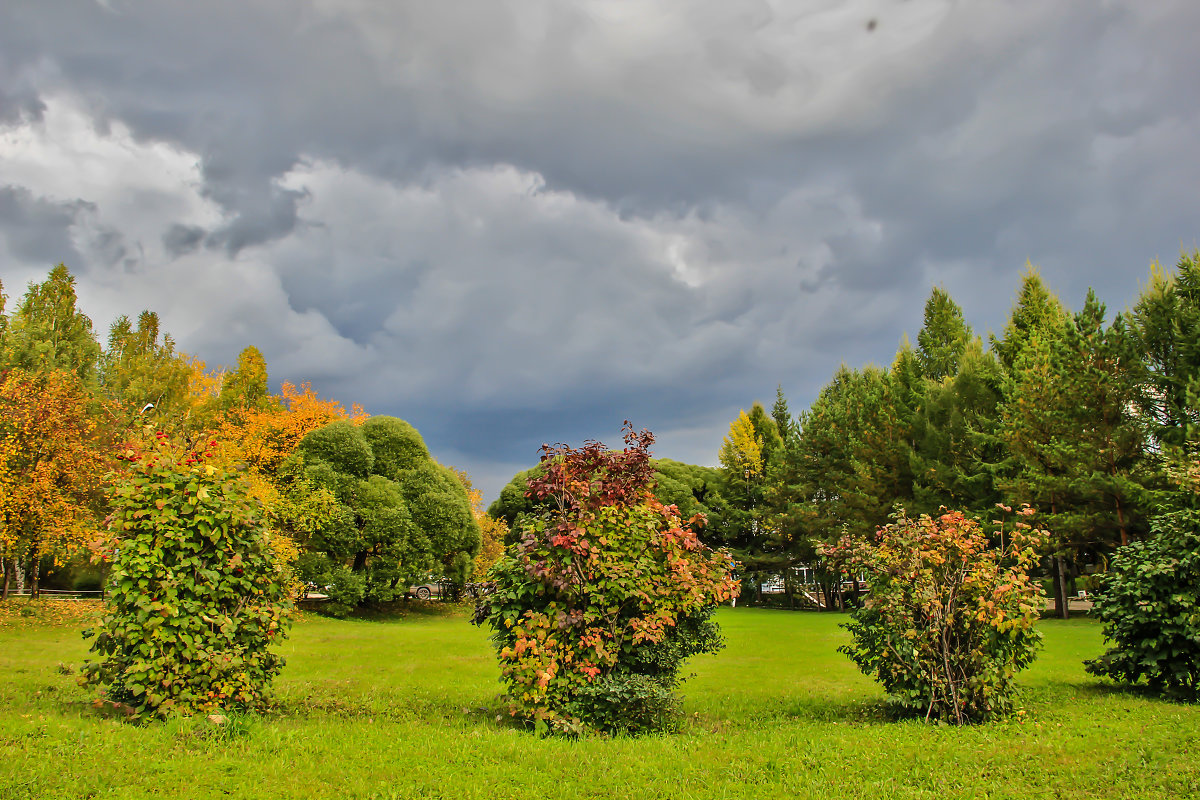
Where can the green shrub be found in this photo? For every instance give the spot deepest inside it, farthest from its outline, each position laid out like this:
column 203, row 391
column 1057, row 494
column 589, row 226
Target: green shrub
column 194, row 595
column 602, row 598
column 1149, row 603
column 947, row 621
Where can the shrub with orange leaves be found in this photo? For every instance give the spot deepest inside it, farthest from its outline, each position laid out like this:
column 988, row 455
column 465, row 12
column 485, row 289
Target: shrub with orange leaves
column 601, row 599
column 948, row 619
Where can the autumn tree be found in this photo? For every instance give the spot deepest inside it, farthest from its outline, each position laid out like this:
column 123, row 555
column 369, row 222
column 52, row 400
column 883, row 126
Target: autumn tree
column 949, row 619
column 266, row 434
column 744, row 525
column 3, row 326
column 602, row 596
column 51, row 468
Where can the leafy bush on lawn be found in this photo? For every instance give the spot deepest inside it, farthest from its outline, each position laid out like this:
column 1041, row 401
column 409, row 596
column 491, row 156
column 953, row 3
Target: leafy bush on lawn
column 1149, row 603
column 602, row 597
column 194, row 596
column 947, row 620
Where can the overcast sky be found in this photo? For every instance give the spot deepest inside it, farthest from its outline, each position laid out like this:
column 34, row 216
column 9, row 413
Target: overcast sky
column 519, row 221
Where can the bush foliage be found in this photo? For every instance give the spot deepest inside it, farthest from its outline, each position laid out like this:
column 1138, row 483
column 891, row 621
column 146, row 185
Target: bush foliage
column 603, row 596
column 948, row 620
column 194, row 597
column 1150, row 606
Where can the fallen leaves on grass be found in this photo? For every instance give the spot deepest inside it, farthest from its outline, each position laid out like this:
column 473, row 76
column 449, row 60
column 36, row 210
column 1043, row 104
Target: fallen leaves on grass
column 18, row 612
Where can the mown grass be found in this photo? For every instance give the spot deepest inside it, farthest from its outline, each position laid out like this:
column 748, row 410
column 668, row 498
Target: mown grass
column 405, row 707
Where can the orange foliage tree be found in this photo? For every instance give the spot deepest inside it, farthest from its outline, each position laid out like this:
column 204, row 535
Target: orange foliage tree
column 52, row 461
column 264, row 437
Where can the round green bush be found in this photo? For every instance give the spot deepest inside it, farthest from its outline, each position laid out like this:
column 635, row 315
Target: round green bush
column 1149, row 603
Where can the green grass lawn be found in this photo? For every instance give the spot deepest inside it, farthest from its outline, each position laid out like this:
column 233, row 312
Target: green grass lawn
column 406, row 707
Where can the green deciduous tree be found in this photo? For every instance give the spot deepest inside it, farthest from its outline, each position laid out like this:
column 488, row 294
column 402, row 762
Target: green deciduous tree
column 139, row 368
column 1150, row 606
column 246, row 386
column 47, row 332
column 399, row 514
column 693, row 488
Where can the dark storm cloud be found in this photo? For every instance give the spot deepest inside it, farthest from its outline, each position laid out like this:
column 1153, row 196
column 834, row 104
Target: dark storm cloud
column 36, row 229
column 517, row 220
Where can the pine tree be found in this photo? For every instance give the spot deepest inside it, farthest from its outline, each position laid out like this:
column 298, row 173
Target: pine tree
column 784, row 424
column 957, row 443
column 1035, row 309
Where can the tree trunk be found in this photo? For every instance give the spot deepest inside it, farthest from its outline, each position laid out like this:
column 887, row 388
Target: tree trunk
column 1060, row 587
column 4, row 565
column 37, row 574
column 1121, row 524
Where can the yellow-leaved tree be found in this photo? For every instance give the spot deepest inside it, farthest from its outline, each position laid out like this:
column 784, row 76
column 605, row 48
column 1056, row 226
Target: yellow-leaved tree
column 742, row 449
column 52, row 461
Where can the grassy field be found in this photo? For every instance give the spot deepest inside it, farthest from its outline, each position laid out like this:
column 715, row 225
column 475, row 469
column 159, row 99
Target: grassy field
column 405, row 707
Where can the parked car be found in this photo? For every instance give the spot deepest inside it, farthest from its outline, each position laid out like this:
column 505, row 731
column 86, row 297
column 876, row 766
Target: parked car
column 426, row 591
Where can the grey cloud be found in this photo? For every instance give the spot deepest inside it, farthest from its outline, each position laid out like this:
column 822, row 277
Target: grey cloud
column 181, row 239
column 38, row 230
column 721, row 196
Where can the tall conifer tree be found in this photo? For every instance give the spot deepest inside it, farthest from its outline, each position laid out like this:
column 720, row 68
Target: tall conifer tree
column 943, row 338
